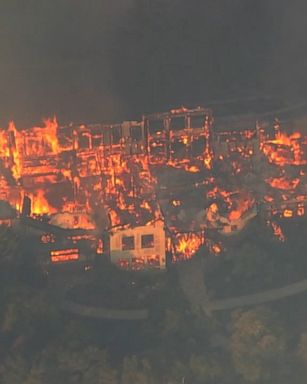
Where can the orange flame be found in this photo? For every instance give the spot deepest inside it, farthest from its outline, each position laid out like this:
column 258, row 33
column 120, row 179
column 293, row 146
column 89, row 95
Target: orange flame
column 15, row 148
column 242, row 206
column 278, row 231
column 285, row 149
column 4, row 144
column 283, row 183
column 51, row 128
column 188, row 244
column 40, row 204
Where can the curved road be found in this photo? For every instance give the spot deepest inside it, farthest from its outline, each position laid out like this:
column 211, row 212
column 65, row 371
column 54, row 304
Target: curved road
column 259, row 298
column 192, row 283
column 191, row 280
column 60, row 286
column 104, row 313
column 193, row 286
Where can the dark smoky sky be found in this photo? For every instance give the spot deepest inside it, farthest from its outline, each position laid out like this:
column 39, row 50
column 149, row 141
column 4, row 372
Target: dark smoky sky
column 106, row 60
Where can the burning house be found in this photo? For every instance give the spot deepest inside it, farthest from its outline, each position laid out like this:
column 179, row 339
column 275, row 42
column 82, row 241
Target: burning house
column 232, row 223
column 181, row 138
column 143, row 188
column 56, row 246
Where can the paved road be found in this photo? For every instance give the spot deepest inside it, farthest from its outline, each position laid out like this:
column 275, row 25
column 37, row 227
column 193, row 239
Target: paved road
column 192, row 283
column 193, row 286
column 259, row 298
column 104, row 313
column 191, row 279
column 60, row 285
column 196, row 293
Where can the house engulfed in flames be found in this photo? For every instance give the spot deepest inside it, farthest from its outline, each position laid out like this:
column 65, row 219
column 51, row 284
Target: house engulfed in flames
column 155, row 185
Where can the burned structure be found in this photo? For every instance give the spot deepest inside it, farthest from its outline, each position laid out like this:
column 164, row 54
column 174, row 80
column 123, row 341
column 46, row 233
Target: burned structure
column 155, row 187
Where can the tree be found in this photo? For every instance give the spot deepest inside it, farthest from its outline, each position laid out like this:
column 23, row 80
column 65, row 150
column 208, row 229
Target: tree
column 302, row 348
column 178, row 372
column 206, row 370
column 9, row 247
column 14, row 370
column 75, row 334
column 258, row 345
column 171, row 323
column 17, row 261
column 88, row 366
column 36, row 375
column 249, row 261
column 29, row 320
column 136, row 371
column 29, row 312
column 301, row 356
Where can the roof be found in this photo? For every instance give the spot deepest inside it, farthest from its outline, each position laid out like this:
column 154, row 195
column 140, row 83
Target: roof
column 180, row 112
column 46, row 227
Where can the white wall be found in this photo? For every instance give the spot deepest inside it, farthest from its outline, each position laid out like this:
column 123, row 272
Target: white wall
column 142, row 254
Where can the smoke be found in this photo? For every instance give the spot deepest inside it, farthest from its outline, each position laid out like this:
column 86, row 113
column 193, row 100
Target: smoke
column 180, row 52
column 55, row 59
column 102, row 60
column 289, row 55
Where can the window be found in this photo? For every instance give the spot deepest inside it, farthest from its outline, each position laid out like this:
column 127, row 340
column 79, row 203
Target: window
column 178, row 123
column 106, row 138
column 127, row 243
column 64, row 255
column 136, row 133
column 197, row 121
column 155, row 126
column 147, row 241
column 116, row 134
column 96, row 141
column 84, row 141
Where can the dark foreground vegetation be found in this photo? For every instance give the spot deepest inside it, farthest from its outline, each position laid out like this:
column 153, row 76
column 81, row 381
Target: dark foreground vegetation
column 256, row 260
column 40, row 344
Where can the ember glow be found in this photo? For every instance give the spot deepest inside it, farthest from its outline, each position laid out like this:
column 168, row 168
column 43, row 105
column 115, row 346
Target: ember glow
column 15, row 151
column 137, row 173
column 40, row 204
column 64, row 255
column 286, row 149
column 277, row 231
column 283, row 183
column 188, row 244
column 242, row 206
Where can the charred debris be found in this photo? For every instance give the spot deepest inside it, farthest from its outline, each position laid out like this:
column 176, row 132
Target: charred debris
column 144, row 192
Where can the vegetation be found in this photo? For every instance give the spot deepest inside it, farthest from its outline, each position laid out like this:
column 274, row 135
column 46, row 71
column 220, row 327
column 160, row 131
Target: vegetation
column 42, row 345
column 256, row 260
column 113, row 288
column 258, row 346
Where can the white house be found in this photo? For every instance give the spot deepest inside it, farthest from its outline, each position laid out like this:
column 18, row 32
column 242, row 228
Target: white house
column 139, row 248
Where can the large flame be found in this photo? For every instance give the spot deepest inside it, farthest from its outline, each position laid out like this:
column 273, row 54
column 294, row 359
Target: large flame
column 4, row 144
column 285, row 149
column 15, row 151
column 188, row 244
column 124, row 183
column 50, row 128
column 40, row 204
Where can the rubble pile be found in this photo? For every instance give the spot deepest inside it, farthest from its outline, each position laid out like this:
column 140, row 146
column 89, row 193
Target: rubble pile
column 202, row 181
